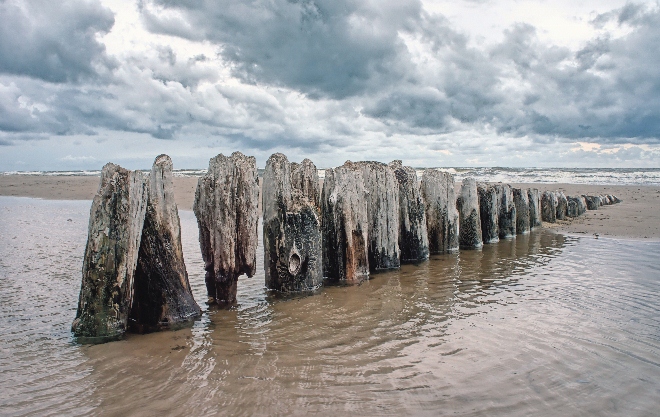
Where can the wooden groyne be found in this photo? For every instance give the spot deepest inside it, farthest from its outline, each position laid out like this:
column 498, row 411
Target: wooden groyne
column 367, row 217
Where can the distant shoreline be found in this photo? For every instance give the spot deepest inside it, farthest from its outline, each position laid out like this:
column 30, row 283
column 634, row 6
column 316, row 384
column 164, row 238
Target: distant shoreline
column 637, row 217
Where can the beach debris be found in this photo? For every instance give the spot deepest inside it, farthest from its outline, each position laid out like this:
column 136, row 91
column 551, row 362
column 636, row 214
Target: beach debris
column 383, row 215
column 521, row 201
column 113, row 241
column 344, row 225
column 226, row 208
column 293, row 259
column 534, row 197
column 413, row 236
column 549, row 207
column 489, row 212
column 562, row 205
column 162, row 296
column 508, row 216
column 469, row 236
column 441, row 213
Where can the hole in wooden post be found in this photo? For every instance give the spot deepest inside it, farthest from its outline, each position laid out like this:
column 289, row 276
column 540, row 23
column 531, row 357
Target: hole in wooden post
column 294, row 263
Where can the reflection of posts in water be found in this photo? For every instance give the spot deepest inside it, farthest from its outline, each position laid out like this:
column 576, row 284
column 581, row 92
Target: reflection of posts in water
column 505, row 262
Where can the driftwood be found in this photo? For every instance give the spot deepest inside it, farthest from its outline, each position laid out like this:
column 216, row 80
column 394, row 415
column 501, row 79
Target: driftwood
column 441, row 214
column 115, row 230
column 413, row 236
column 292, row 225
column 225, row 205
column 344, row 225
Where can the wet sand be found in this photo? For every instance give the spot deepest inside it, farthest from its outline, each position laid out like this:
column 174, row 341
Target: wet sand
column 637, row 217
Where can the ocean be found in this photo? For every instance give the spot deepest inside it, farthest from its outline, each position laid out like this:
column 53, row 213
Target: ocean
column 605, row 176
column 544, row 324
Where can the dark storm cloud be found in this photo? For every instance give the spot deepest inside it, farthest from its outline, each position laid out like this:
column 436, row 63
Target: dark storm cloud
column 606, row 91
column 52, row 40
column 325, row 48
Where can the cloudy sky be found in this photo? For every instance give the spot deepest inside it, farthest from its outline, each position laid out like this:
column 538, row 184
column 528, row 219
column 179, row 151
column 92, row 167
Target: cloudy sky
column 562, row 83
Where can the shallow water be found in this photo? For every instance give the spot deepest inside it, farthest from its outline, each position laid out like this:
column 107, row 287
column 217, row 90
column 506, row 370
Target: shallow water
column 540, row 325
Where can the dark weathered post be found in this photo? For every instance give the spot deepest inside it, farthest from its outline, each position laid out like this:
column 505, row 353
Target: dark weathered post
column 344, row 225
column 292, row 225
column 562, row 205
column 441, row 213
column 507, row 220
column 413, row 236
column 593, row 202
column 521, row 201
column 162, row 296
column 113, row 242
column 534, row 208
column 383, row 213
column 489, row 211
column 225, row 205
column 549, row 207
column 469, row 236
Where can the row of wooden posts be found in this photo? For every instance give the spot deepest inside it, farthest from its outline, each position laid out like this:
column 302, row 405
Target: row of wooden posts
column 366, row 217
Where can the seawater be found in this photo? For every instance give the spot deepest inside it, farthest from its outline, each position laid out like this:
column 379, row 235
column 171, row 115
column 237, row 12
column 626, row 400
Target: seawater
column 604, row 176
column 543, row 324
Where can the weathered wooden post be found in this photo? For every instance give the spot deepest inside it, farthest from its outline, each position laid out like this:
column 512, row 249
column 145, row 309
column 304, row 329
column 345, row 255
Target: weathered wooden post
column 292, row 225
column 162, row 296
column 534, row 208
column 593, row 202
column 507, row 220
column 383, row 213
column 562, row 205
column 470, row 236
column 489, row 212
column 226, row 201
column 113, row 241
column 344, row 225
column 574, row 208
column 521, row 201
column 549, row 207
column 413, row 236
column 441, row 213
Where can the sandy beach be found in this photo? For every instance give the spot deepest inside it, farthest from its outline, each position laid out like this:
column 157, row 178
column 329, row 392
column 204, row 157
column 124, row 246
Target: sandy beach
column 636, row 217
